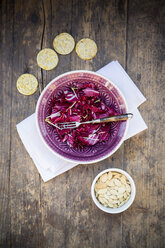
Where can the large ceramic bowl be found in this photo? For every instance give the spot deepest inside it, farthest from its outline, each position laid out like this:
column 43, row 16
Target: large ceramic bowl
column 110, row 94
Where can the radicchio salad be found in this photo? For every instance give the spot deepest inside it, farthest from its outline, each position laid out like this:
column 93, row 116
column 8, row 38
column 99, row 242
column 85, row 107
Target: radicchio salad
column 81, row 102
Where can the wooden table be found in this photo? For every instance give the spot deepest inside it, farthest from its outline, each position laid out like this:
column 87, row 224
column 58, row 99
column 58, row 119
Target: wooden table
column 61, row 213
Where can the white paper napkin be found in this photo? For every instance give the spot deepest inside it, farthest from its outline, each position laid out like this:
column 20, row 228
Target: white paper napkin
column 50, row 165
column 115, row 72
column 46, row 162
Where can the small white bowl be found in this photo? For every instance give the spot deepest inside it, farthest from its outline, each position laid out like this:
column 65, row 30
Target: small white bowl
column 119, row 209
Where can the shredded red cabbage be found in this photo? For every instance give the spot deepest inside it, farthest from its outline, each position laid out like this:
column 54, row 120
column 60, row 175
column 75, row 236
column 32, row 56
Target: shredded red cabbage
column 81, row 102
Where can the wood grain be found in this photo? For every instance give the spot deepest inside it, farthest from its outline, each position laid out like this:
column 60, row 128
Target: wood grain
column 144, row 153
column 6, row 48
column 25, row 203
column 60, row 213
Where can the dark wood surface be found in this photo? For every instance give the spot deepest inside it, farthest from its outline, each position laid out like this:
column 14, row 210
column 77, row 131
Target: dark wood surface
column 61, row 213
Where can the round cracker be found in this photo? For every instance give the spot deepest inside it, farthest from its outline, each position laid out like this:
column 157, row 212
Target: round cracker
column 63, row 43
column 47, row 59
column 27, row 84
column 86, row 49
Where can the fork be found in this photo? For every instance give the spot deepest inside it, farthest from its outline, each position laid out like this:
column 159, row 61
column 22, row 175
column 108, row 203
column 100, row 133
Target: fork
column 75, row 124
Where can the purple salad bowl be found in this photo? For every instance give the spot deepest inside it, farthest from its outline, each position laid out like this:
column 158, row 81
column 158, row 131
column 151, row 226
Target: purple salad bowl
column 110, row 94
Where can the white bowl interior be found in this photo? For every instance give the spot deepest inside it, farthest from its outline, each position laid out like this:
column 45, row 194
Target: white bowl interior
column 119, row 209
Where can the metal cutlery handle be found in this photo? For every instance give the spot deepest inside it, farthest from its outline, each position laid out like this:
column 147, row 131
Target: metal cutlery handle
column 114, row 118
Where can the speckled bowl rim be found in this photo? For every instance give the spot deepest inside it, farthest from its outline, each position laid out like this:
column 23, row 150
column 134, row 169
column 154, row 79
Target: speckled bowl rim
column 126, row 205
column 57, row 154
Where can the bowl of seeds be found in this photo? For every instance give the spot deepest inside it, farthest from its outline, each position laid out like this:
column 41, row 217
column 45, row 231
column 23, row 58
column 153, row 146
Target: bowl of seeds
column 113, row 190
